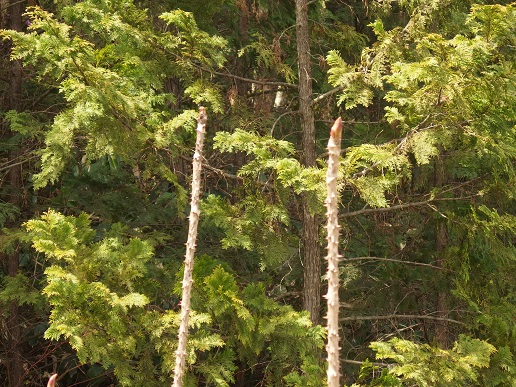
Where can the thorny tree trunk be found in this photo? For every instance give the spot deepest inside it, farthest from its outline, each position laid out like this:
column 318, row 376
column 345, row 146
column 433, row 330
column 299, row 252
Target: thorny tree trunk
column 310, row 244
column 12, row 101
column 195, row 211
column 332, row 347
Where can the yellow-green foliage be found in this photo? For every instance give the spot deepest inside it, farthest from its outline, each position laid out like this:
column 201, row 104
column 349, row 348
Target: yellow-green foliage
column 425, row 366
column 101, row 301
column 111, row 81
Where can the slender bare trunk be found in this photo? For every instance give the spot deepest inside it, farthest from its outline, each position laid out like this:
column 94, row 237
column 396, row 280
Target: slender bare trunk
column 309, row 235
column 195, row 211
column 332, row 347
column 12, row 101
column 442, row 338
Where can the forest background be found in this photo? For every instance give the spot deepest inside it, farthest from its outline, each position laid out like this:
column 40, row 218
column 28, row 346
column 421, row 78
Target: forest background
column 99, row 105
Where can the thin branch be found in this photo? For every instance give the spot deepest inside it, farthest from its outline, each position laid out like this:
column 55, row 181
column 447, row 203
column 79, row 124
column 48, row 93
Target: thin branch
column 280, row 117
column 45, row 94
column 217, row 170
column 361, row 362
column 327, row 94
column 391, row 260
column 287, row 294
column 249, row 80
column 400, row 316
column 6, row 166
column 11, row 5
column 401, row 206
column 223, row 173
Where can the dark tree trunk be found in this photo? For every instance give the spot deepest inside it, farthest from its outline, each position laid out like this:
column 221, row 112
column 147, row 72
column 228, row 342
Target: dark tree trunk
column 13, row 189
column 441, row 241
column 310, row 229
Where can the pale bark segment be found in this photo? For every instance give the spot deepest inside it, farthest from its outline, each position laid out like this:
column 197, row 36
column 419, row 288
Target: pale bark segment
column 332, row 347
column 52, row 381
column 195, row 211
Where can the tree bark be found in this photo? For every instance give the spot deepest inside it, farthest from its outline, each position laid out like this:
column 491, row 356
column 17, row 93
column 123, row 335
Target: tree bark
column 12, row 101
column 332, row 215
column 195, row 211
column 310, row 229
column 442, row 338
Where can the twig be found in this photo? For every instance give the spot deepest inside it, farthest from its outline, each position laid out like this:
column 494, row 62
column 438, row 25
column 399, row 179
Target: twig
column 400, row 316
column 400, row 206
column 5, row 167
column 249, row 80
column 280, row 117
column 357, row 362
column 327, row 94
column 392, row 260
column 217, row 170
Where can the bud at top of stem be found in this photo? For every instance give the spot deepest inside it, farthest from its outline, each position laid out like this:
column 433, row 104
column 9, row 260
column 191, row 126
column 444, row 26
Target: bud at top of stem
column 52, row 381
column 336, row 130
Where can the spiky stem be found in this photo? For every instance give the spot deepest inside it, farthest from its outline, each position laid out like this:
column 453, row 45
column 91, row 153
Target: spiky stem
column 332, row 347
column 195, row 211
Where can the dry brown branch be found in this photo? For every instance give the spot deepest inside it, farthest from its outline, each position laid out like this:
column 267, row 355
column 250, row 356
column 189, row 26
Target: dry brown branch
column 357, row 362
column 393, row 260
column 327, row 94
column 400, row 316
column 217, row 170
column 249, row 80
column 428, row 202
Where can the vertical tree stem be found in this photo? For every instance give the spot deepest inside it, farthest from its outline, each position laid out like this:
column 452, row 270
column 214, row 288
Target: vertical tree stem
column 195, row 211
column 310, row 224
column 332, row 347
column 11, row 14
